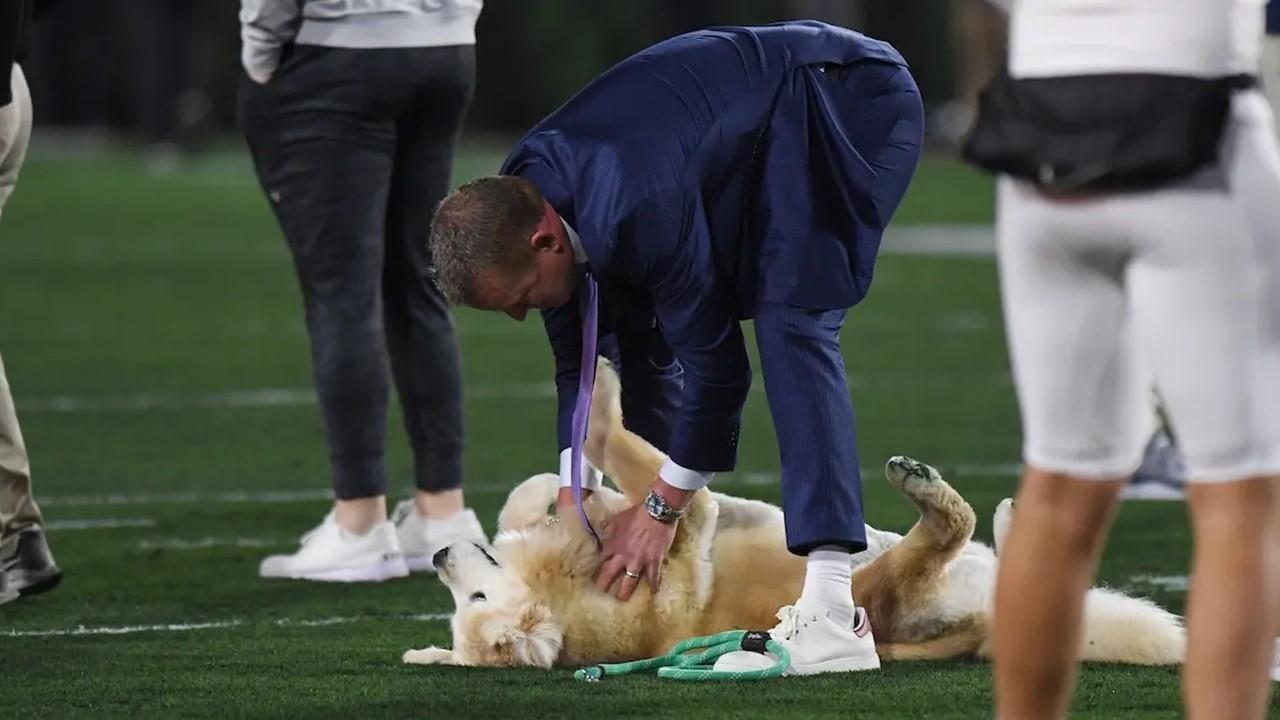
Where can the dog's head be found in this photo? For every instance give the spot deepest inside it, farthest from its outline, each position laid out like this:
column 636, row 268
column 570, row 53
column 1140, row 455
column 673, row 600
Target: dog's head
column 497, row 623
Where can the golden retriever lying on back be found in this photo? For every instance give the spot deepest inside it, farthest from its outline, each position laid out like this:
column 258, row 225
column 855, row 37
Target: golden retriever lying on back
column 929, row 593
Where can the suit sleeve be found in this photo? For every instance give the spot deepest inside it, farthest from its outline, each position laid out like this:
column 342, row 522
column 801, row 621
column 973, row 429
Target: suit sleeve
column 699, row 321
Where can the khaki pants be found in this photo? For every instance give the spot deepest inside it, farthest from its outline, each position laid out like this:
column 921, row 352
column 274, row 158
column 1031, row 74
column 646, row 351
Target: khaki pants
column 18, row 509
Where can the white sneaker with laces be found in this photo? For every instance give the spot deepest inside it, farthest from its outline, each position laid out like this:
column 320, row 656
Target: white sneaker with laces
column 331, row 554
column 817, row 644
column 421, row 537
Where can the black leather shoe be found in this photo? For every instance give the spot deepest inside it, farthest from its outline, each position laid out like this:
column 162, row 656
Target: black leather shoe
column 32, row 570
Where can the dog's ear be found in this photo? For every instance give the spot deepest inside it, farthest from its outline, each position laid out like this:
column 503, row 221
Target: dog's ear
column 431, row 656
column 534, row 639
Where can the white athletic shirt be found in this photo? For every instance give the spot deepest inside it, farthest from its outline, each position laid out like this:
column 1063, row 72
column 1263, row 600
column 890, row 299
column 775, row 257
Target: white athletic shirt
column 1201, row 38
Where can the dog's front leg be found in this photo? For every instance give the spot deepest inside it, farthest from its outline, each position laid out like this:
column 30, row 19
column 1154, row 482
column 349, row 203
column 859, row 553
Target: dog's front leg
column 431, row 656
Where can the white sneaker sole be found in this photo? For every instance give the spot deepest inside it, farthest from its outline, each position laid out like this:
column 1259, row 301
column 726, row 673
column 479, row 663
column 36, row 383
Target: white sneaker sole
column 375, row 572
column 756, row 661
column 1152, row 491
column 838, row 665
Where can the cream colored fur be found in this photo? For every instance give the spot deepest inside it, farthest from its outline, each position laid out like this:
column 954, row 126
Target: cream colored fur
column 928, row 593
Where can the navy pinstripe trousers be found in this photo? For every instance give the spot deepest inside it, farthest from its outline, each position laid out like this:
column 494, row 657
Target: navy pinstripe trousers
column 805, row 381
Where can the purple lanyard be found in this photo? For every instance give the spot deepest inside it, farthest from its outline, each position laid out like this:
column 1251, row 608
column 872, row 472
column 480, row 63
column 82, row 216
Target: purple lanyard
column 586, row 384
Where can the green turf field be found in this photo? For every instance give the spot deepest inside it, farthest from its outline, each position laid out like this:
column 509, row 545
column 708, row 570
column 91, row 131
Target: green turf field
column 153, row 336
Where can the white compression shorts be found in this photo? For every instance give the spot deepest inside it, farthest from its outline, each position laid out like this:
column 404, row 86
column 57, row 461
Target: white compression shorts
column 1177, row 288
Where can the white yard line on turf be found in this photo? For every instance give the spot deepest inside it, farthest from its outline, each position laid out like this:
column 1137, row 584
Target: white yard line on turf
column 745, row 479
column 216, row 625
column 951, row 239
column 99, row 523
column 260, row 398
column 293, row 397
column 189, row 498
column 1170, row 583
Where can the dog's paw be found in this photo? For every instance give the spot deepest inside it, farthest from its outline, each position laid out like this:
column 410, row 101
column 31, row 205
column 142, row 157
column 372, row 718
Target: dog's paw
column 429, row 656
column 909, row 475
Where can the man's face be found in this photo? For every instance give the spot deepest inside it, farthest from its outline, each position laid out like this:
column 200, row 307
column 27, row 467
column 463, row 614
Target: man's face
column 549, row 282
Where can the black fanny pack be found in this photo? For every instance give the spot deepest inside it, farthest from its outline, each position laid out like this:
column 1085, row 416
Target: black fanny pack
column 1101, row 132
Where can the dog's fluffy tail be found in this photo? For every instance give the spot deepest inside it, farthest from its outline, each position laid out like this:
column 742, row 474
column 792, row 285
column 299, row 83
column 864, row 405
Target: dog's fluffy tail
column 1119, row 628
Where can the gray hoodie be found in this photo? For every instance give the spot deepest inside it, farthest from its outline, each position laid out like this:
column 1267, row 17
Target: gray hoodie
column 266, row 25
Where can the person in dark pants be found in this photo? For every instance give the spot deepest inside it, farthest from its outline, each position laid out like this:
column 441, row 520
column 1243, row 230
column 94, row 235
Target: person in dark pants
column 351, row 120
column 726, row 174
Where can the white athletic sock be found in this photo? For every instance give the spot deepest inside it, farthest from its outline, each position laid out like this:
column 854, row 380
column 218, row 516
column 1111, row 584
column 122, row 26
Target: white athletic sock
column 828, row 581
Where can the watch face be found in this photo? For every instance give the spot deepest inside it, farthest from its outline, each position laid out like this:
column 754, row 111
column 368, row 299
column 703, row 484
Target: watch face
column 659, row 509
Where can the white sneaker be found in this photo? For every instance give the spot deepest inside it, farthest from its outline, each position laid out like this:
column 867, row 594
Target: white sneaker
column 817, row 645
column 421, row 537
column 331, row 554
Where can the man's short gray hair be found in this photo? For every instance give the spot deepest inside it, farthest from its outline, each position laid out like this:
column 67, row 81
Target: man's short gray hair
column 482, row 226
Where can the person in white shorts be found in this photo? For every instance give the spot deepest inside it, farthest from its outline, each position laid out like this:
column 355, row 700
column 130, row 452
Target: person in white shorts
column 1113, row 286
column 1163, row 473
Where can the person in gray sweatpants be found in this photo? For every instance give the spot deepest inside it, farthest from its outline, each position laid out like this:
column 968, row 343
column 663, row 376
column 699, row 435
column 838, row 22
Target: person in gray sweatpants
column 351, row 112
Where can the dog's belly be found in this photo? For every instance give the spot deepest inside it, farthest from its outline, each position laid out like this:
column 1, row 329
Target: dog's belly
column 965, row 595
column 753, row 576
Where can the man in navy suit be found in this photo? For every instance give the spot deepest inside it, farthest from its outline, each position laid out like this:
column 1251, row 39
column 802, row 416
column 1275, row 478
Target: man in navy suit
column 726, row 174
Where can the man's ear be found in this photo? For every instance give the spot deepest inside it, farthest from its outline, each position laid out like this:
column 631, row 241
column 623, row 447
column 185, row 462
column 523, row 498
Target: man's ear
column 545, row 241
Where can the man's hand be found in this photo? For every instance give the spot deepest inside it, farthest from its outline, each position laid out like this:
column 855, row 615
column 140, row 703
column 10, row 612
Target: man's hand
column 635, row 544
column 634, row 547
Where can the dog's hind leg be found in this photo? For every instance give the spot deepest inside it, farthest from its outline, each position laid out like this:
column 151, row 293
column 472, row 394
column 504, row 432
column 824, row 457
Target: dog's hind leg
column 904, row 583
column 946, row 520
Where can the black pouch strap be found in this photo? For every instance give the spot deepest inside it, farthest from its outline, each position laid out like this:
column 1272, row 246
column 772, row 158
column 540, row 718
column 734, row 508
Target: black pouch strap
column 755, row 641
column 1107, row 132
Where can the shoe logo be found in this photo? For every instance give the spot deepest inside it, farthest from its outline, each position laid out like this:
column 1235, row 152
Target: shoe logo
column 863, row 626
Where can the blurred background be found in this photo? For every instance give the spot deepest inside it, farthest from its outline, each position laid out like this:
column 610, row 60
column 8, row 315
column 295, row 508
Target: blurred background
column 162, row 74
